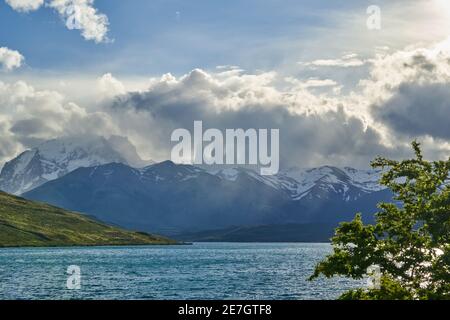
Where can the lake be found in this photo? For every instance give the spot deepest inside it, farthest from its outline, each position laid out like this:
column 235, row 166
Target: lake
column 201, row 271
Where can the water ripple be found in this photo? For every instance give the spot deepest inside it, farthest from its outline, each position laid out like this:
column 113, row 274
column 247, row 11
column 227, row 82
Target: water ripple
column 200, row 271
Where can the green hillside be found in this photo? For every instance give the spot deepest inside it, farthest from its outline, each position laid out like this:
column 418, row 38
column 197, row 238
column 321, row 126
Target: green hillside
column 27, row 223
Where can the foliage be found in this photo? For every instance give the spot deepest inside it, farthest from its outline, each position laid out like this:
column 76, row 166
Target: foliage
column 410, row 240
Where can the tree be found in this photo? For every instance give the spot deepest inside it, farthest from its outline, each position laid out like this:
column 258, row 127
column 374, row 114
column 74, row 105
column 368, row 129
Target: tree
column 410, row 240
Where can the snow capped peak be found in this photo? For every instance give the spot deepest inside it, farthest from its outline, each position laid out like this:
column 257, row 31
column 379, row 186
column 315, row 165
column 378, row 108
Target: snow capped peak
column 24, row 159
column 169, row 171
column 68, row 154
column 55, row 158
column 298, row 183
column 348, row 182
column 369, row 178
column 230, row 174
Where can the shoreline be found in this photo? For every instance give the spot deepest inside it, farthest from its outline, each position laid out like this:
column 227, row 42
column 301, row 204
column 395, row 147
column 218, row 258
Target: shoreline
column 156, row 244
column 94, row 245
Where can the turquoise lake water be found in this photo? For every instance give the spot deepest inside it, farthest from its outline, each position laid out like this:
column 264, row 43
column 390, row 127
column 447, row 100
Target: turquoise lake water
column 200, row 271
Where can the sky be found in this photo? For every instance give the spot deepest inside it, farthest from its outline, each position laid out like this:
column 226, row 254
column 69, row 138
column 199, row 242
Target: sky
column 340, row 92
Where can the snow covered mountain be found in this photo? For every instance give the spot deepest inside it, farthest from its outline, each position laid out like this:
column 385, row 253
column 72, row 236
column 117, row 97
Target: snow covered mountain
column 56, row 158
column 169, row 198
column 319, row 183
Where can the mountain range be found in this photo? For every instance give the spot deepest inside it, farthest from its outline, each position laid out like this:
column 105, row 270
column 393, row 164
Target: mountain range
column 173, row 199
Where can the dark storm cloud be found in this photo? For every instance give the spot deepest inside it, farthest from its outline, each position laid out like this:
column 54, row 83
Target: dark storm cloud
column 418, row 110
column 422, row 62
column 30, row 127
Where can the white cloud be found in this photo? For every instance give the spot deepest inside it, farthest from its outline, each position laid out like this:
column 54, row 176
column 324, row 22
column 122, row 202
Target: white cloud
column 77, row 15
column 25, row 5
column 29, row 116
column 408, row 91
column 312, row 82
column 10, row 59
column 413, row 65
column 347, row 61
column 109, row 87
column 81, row 15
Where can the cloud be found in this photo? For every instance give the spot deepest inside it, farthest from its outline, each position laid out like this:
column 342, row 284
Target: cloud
column 347, row 61
column 408, row 92
column 313, row 129
column 312, row 82
column 25, row 5
column 8, row 147
column 77, row 15
column 411, row 65
column 10, row 59
column 29, row 116
column 402, row 96
column 81, row 15
column 110, row 87
column 418, row 110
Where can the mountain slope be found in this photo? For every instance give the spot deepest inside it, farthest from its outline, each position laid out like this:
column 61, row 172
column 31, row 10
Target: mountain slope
column 27, row 223
column 267, row 233
column 55, row 158
column 163, row 197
